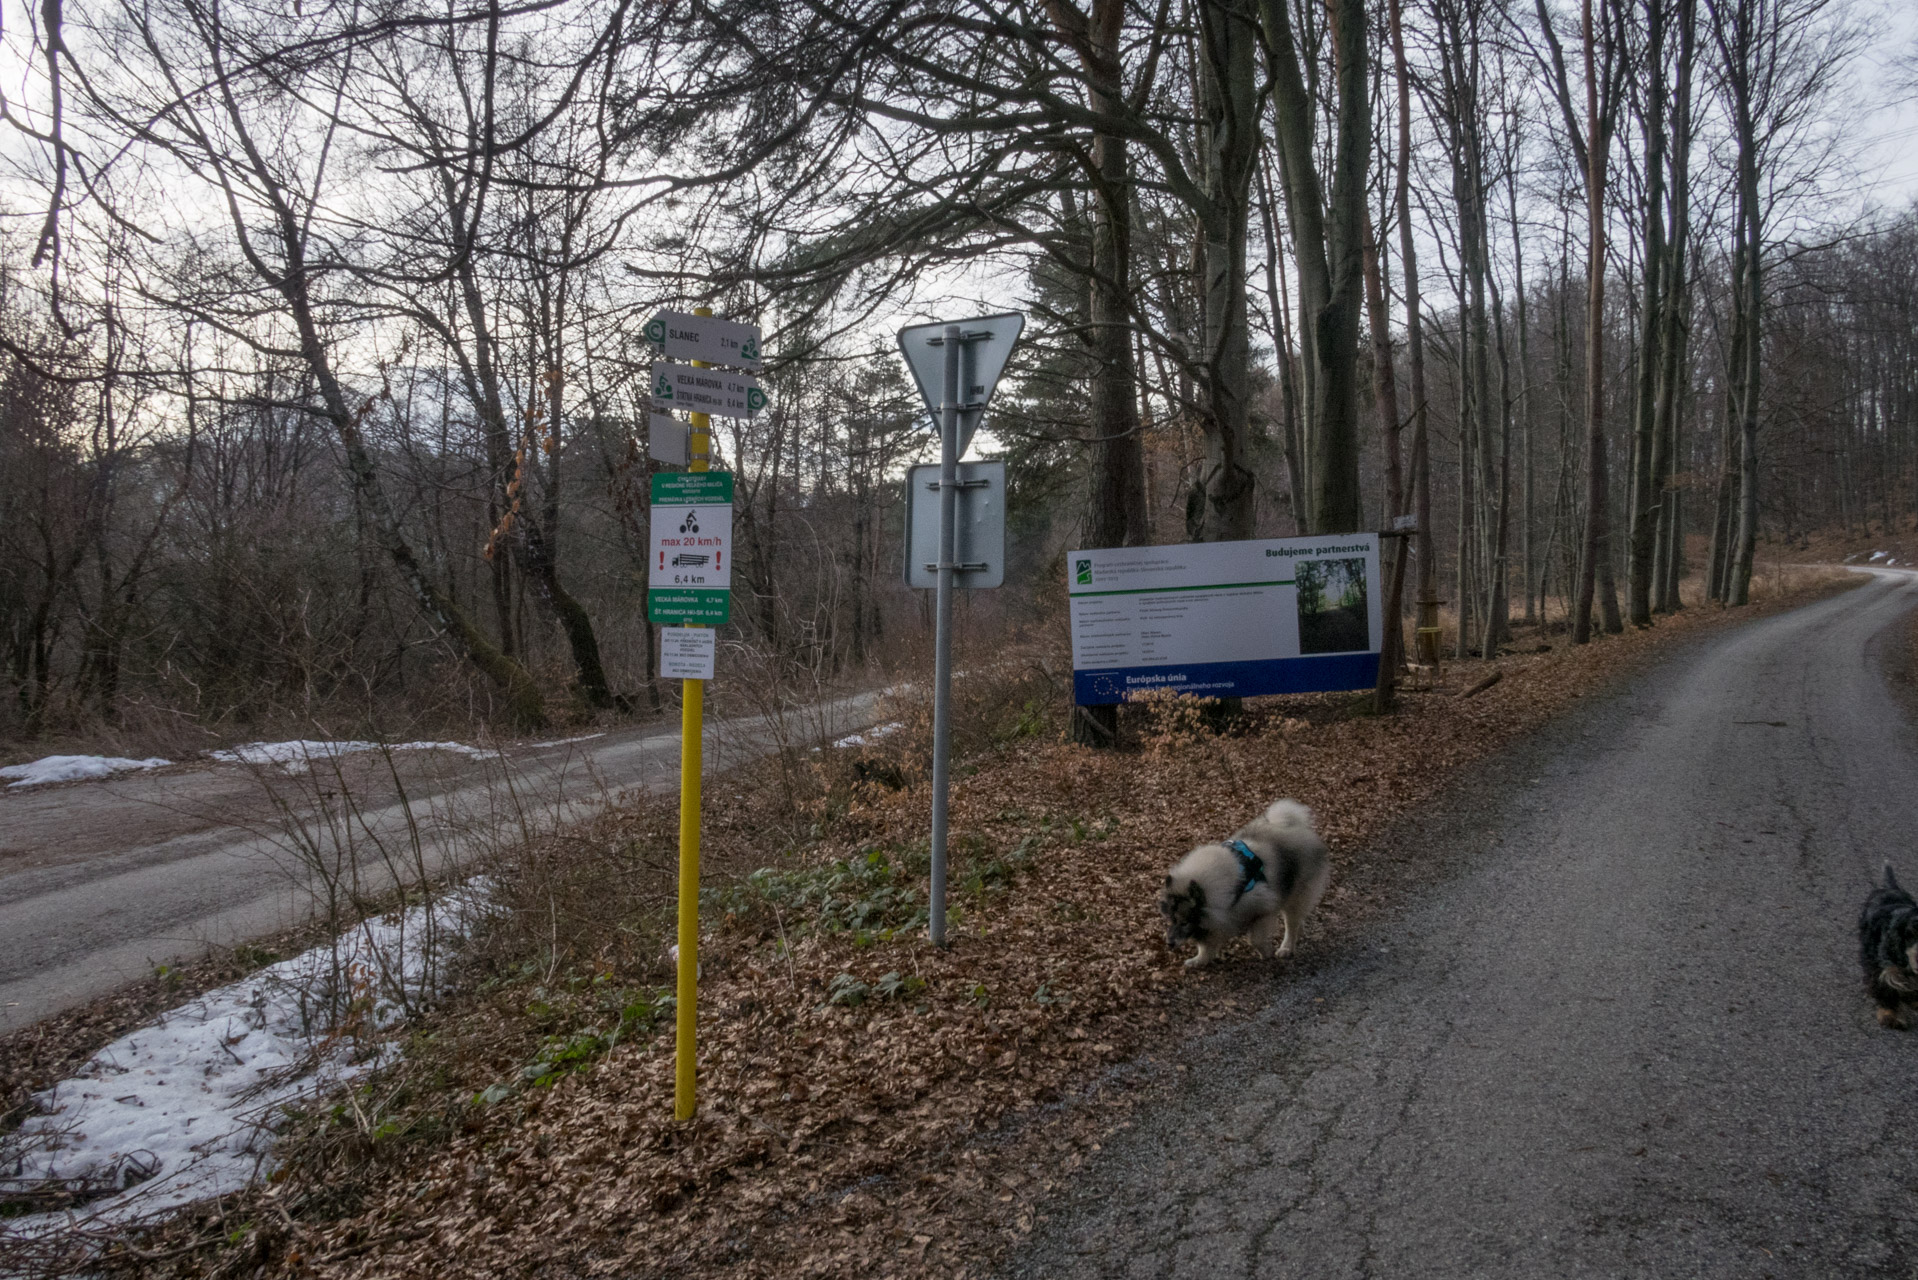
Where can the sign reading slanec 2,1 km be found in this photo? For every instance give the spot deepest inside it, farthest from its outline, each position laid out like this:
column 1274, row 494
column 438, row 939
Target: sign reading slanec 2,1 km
column 1225, row 619
column 689, row 567
column 679, row 336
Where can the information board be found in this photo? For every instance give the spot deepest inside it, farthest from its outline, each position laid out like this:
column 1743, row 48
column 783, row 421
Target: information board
column 1225, row 619
column 686, row 653
column 689, row 565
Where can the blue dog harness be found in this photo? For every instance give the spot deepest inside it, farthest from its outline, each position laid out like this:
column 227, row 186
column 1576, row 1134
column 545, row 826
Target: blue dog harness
column 1251, row 868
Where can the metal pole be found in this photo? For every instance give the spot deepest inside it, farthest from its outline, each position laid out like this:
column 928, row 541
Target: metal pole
column 692, row 705
column 942, row 643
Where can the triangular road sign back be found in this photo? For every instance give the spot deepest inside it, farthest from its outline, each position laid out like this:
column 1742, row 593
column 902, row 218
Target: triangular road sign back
column 986, row 344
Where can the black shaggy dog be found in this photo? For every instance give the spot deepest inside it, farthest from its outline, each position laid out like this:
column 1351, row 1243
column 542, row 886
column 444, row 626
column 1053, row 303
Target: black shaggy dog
column 1888, row 950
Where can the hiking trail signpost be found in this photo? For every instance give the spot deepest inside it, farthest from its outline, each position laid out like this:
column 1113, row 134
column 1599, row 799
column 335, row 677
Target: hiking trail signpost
column 689, row 580
column 956, row 363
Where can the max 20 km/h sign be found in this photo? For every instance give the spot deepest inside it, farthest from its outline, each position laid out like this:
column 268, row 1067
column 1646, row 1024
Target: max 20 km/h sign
column 689, row 566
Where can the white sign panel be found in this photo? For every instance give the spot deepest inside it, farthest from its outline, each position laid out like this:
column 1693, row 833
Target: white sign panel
column 666, row 439
column 680, row 386
column 692, row 545
column 686, row 653
column 679, row 336
column 1225, row 619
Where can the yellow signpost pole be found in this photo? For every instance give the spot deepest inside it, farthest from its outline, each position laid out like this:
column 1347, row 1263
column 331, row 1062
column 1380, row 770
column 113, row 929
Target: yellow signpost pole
column 699, row 448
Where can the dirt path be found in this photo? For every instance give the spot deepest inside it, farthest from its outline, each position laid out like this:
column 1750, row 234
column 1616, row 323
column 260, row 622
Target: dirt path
column 1623, row 1036
column 101, row 881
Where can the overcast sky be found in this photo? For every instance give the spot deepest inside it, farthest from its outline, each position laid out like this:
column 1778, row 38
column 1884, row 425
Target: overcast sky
column 1892, row 131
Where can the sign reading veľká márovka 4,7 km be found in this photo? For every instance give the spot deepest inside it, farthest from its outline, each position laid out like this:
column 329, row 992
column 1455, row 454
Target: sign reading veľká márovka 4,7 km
column 1225, row 619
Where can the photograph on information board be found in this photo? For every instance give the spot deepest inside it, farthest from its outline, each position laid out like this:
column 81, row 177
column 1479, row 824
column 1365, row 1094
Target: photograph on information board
column 1332, row 612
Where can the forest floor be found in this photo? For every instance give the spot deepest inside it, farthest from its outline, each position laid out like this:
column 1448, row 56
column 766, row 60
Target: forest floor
column 1839, row 546
column 870, row 1106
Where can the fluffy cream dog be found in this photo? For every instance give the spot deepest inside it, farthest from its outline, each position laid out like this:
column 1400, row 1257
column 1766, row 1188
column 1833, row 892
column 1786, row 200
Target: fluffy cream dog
column 1263, row 882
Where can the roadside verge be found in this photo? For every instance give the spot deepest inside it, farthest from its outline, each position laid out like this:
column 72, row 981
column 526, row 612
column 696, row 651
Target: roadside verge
column 870, row 1106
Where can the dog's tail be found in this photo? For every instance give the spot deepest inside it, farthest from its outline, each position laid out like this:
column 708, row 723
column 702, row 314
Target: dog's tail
column 1289, row 814
column 1891, row 881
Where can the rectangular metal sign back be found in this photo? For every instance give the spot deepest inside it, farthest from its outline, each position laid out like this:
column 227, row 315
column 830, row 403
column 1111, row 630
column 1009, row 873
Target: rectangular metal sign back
column 980, row 527
column 1225, row 619
column 681, row 386
column 680, row 336
column 666, row 439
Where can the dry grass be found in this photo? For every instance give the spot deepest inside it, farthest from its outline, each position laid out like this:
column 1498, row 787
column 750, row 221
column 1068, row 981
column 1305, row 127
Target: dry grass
column 871, row 1106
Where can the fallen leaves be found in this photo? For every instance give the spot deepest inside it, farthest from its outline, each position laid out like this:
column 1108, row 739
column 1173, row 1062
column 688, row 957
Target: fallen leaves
column 870, row 1105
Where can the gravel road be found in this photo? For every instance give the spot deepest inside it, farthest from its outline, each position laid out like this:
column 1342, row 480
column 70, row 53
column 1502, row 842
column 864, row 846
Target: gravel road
column 100, row 881
column 1622, row 1034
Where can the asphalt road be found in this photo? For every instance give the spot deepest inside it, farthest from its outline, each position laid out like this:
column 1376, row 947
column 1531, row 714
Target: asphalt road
column 1621, row 1034
column 101, row 881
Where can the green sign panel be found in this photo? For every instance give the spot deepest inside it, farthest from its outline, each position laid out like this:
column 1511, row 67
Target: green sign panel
column 693, row 488
column 689, row 606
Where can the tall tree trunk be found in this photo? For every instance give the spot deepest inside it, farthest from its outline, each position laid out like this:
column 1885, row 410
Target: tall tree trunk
column 1280, row 303
column 1386, row 391
column 1229, row 118
column 1117, row 517
column 1749, row 321
column 1118, row 513
column 1675, row 317
column 1521, row 403
column 531, row 537
column 1425, row 548
column 1724, row 499
column 1646, row 493
column 1385, row 387
column 1595, row 560
column 1328, row 244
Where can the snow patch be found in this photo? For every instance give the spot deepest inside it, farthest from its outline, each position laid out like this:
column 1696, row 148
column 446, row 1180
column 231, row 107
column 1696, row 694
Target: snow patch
column 299, row 755
column 185, row 1109
column 1879, row 555
column 567, row 742
column 863, row 739
column 75, row 768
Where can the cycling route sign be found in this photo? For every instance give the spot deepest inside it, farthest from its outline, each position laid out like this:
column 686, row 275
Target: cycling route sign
column 689, row 568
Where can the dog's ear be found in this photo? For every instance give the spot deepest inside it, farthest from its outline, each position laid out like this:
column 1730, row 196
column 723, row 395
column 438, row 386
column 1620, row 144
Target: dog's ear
column 1168, row 879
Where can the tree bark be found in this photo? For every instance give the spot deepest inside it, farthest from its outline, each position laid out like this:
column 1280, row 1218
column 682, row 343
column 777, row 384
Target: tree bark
column 1426, row 646
column 1328, row 245
column 1229, row 134
column 1595, row 560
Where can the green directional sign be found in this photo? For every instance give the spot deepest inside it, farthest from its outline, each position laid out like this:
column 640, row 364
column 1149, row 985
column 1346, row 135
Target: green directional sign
column 689, row 606
column 693, row 488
